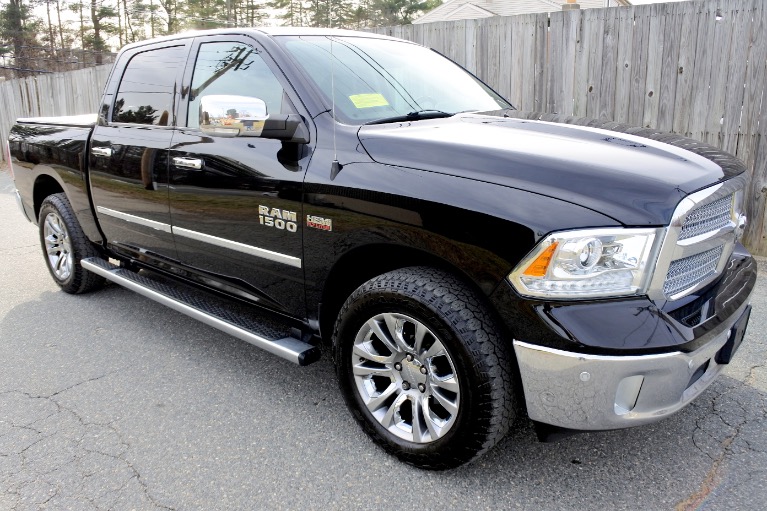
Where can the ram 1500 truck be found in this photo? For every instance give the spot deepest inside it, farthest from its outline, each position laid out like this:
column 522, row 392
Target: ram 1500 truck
column 463, row 263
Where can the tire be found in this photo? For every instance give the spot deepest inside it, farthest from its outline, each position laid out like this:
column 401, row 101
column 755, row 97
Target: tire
column 64, row 245
column 423, row 369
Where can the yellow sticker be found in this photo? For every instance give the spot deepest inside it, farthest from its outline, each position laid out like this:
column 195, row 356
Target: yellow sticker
column 368, row 100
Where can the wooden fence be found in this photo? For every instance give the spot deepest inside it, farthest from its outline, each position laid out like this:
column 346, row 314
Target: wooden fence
column 696, row 68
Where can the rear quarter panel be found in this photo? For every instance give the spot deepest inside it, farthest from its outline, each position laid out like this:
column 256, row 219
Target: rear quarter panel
column 41, row 151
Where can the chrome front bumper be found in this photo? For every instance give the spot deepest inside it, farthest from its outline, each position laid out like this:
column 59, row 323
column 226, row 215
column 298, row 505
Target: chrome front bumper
column 591, row 392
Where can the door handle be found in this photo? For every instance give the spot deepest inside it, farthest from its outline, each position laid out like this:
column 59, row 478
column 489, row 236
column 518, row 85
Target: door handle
column 101, row 151
column 187, row 163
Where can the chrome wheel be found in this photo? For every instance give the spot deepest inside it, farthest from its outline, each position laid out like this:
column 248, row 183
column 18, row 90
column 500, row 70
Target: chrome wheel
column 405, row 377
column 58, row 247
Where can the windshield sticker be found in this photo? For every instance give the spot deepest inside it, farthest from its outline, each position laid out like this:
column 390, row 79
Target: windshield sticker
column 368, row 100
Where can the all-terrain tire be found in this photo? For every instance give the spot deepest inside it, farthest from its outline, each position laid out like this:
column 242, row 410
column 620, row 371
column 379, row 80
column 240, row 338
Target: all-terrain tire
column 64, row 245
column 377, row 352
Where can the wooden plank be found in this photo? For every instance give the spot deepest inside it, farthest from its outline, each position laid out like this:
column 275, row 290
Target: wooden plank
column 654, row 64
column 669, row 69
column 759, row 178
column 639, row 49
column 489, row 43
column 6, row 113
column 469, row 45
column 570, row 25
column 581, row 82
column 422, row 32
column 736, row 75
column 686, row 66
column 519, row 36
column 756, row 198
column 555, row 61
column 755, row 86
column 606, row 106
column 725, row 17
column 706, row 26
column 540, row 68
column 595, row 28
column 491, row 58
column 505, row 69
column 456, row 41
column 624, row 64
column 527, row 87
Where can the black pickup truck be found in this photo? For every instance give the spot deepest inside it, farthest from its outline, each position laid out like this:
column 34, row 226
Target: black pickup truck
column 324, row 191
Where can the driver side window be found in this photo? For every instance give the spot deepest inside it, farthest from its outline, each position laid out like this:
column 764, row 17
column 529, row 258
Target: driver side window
column 232, row 68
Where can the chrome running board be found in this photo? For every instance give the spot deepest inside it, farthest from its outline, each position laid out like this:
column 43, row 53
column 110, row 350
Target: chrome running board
column 265, row 334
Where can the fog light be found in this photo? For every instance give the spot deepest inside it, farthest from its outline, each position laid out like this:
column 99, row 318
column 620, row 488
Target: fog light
column 627, row 394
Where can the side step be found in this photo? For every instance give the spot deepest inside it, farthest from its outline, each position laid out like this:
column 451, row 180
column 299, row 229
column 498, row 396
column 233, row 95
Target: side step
column 267, row 334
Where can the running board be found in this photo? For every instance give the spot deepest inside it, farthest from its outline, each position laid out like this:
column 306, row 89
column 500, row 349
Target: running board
column 267, row 334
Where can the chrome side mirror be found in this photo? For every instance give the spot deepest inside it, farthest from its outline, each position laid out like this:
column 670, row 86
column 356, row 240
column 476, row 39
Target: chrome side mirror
column 232, row 116
column 242, row 116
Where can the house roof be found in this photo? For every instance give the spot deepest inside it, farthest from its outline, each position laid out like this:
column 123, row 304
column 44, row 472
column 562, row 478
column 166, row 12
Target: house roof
column 472, row 9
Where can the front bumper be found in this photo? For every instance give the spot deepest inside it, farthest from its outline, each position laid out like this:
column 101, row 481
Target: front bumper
column 593, row 392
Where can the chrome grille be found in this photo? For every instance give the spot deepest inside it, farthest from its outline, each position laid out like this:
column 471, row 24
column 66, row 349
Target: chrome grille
column 707, row 218
column 687, row 272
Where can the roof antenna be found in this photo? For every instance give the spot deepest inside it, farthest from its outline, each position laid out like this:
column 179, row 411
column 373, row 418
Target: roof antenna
column 335, row 167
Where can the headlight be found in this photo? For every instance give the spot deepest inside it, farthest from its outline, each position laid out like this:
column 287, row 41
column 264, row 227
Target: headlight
column 589, row 263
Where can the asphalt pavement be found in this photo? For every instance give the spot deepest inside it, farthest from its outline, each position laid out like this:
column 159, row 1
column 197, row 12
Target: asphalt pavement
column 111, row 401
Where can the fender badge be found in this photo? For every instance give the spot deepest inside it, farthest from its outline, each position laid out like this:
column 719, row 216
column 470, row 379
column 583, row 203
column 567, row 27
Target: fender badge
column 318, row 222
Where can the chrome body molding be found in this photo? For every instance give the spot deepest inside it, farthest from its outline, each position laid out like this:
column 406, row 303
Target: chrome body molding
column 594, row 392
column 21, row 206
column 134, row 219
column 239, row 247
column 205, row 238
column 674, row 248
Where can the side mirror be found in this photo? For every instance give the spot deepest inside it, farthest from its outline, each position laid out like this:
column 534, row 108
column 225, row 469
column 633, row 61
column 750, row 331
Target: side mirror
column 242, row 116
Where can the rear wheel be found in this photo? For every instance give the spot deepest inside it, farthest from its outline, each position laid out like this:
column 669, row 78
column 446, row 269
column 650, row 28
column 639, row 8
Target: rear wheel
column 423, row 368
column 64, row 245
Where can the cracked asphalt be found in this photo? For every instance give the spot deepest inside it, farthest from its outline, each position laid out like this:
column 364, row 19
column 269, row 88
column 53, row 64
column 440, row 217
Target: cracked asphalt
column 110, row 401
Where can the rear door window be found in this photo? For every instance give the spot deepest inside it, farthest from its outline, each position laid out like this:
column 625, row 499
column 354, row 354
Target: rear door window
column 147, row 88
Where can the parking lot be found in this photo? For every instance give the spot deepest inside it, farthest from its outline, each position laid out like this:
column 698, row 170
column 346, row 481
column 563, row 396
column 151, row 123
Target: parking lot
column 111, row 401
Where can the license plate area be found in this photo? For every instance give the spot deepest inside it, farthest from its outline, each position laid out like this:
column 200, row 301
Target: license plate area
column 724, row 356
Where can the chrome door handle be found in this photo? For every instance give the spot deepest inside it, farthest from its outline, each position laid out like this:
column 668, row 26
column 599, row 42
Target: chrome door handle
column 101, row 151
column 187, row 163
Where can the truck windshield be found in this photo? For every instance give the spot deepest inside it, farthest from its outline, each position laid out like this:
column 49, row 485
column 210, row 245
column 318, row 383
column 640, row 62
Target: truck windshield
column 380, row 80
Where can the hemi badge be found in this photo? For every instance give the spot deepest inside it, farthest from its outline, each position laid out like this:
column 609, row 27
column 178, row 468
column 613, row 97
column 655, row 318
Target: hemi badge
column 318, row 222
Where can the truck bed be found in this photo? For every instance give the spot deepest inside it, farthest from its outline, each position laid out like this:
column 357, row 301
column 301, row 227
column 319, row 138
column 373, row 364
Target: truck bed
column 76, row 121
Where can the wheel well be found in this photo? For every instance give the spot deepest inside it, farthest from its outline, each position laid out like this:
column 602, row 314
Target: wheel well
column 364, row 263
column 44, row 186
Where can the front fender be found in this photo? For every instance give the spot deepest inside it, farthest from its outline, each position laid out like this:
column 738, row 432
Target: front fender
column 481, row 229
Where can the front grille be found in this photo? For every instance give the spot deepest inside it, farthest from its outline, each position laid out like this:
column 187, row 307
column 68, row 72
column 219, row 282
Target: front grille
column 707, row 218
column 687, row 272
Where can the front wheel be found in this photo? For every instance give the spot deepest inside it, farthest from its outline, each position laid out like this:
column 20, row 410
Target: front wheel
column 423, row 368
column 64, row 245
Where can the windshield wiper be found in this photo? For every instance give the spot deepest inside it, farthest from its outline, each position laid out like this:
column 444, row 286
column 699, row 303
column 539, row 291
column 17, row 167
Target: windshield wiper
column 413, row 116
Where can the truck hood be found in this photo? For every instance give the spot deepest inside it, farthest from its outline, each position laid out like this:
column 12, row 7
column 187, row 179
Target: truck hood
column 634, row 180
